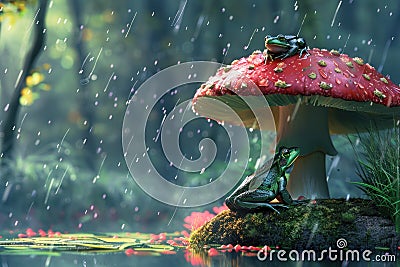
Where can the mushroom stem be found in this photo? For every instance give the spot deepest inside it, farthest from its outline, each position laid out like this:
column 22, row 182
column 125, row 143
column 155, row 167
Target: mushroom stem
column 308, row 177
column 306, row 127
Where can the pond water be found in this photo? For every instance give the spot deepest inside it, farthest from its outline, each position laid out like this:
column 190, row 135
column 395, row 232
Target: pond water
column 134, row 249
column 121, row 260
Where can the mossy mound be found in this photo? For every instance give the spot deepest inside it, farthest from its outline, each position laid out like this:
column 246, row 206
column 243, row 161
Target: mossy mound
column 314, row 225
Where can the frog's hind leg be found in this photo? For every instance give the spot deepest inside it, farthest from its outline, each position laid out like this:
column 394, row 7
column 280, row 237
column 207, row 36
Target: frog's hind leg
column 284, row 195
column 258, row 205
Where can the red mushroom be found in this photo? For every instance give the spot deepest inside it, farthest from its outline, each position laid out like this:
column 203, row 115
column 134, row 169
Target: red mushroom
column 311, row 97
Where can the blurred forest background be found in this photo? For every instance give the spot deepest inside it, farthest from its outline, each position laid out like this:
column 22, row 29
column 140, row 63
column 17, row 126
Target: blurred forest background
column 66, row 169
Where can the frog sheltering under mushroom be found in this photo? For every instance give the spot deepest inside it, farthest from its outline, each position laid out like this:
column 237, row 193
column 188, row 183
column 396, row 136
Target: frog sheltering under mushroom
column 312, row 94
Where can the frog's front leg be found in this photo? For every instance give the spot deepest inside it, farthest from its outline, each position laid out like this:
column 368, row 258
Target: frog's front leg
column 255, row 200
column 267, row 56
column 304, row 50
column 284, row 195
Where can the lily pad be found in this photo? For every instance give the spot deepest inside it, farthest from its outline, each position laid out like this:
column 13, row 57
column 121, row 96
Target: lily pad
column 85, row 243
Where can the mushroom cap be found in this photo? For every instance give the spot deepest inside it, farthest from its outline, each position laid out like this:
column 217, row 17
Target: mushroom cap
column 354, row 91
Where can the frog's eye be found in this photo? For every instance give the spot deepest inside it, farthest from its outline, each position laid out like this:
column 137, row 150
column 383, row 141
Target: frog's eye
column 285, row 152
column 301, row 42
column 281, row 38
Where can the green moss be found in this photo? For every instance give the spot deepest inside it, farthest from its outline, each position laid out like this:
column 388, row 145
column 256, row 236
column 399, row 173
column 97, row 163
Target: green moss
column 317, row 224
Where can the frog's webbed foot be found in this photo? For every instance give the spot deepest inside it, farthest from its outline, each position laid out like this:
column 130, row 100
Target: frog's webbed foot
column 304, row 50
column 267, row 56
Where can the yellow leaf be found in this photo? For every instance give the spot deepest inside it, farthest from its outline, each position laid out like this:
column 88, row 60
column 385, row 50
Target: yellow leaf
column 27, row 99
column 34, row 79
column 26, row 91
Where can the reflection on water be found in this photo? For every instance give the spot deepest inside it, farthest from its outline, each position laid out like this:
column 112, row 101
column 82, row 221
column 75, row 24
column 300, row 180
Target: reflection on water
column 129, row 249
column 121, row 260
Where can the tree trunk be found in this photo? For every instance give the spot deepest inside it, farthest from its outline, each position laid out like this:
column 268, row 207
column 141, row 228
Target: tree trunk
column 10, row 123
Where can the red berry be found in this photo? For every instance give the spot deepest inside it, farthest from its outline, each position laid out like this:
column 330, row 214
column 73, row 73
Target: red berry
column 213, row 252
column 162, row 236
column 129, row 252
column 30, row 232
column 42, row 233
column 237, row 248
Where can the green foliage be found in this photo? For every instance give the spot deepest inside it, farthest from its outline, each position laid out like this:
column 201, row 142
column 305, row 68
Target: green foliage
column 51, row 162
column 379, row 170
column 7, row 7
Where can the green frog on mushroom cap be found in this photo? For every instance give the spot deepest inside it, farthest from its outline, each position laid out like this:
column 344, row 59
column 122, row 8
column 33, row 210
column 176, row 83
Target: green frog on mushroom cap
column 283, row 46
